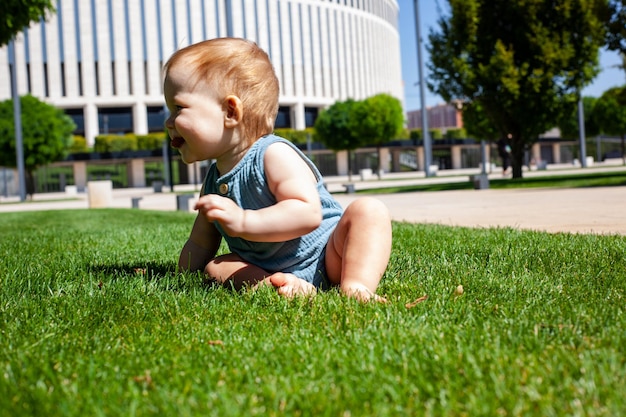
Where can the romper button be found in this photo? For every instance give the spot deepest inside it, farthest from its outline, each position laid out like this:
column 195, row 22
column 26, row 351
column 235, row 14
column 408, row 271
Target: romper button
column 223, row 188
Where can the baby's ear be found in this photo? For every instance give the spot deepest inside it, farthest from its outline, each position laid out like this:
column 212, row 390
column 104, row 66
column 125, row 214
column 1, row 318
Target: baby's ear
column 233, row 111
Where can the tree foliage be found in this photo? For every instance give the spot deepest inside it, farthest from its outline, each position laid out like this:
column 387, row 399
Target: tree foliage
column 347, row 125
column 377, row 119
column 477, row 124
column 616, row 26
column 568, row 123
column 47, row 133
column 609, row 113
column 518, row 59
column 332, row 127
column 17, row 14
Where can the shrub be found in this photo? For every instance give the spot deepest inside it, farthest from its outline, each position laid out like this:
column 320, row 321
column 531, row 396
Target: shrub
column 79, row 144
column 459, row 133
column 150, row 141
column 295, row 136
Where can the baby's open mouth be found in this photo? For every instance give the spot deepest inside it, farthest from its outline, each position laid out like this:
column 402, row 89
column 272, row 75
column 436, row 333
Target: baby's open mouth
column 177, row 142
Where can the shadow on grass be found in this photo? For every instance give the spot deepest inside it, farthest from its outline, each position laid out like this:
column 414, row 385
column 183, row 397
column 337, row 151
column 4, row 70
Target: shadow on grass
column 149, row 270
column 164, row 274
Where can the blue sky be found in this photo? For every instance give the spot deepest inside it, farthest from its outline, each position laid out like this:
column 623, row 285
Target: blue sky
column 608, row 77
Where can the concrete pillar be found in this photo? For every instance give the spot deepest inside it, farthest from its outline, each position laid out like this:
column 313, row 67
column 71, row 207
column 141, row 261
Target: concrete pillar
column 136, row 172
column 455, row 154
column 383, row 154
column 420, row 158
column 80, row 175
column 556, row 153
column 193, row 171
column 342, row 163
column 395, row 161
column 100, row 193
column 535, row 152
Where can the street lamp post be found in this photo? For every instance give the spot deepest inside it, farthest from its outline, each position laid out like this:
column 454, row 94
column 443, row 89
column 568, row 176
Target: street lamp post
column 581, row 133
column 420, row 64
column 17, row 119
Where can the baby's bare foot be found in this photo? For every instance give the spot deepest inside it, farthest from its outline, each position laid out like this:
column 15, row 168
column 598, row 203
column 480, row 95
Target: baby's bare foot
column 290, row 286
column 362, row 293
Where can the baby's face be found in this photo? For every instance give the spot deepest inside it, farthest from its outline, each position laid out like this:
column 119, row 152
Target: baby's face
column 196, row 121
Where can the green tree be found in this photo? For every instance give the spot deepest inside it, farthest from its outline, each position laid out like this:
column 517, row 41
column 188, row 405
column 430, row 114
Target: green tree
column 333, row 130
column 615, row 19
column 17, row 14
column 477, row 124
column 568, row 122
column 47, row 135
column 518, row 59
column 377, row 120
column 609, row 113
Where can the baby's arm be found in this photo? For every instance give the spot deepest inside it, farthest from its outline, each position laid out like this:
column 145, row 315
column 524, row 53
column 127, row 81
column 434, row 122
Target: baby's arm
column 201, row 247
column 297, row 211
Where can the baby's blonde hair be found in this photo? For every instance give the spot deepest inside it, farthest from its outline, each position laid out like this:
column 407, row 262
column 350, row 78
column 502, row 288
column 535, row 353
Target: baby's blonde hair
column 238, row 67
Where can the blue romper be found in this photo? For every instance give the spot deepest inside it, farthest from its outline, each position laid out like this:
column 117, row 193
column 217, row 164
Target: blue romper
column 247, row 186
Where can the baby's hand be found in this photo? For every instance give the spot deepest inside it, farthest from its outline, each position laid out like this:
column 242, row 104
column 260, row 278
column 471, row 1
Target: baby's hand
column 223, row 210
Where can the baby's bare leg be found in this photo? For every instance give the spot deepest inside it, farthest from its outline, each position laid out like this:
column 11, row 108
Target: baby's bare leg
column 358, row 250
column 231, row 271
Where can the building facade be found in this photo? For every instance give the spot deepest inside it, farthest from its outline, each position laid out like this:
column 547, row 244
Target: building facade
column 442, row 116
column 101, row 60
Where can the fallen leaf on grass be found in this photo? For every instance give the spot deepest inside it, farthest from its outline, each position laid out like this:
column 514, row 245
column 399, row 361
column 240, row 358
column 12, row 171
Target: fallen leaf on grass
column 416, row 302
column 215, row 343
column 146, row 378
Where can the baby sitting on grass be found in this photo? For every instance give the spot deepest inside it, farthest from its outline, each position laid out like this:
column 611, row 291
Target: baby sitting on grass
column 262, row 194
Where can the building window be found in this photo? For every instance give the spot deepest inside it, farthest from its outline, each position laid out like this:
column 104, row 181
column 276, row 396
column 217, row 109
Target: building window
column 115, row 120
column 156, row 119
column 283, row 119
column 78, row 117
column 310, row 116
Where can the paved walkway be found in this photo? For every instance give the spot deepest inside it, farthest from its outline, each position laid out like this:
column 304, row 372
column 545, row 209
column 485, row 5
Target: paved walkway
column 599, row 210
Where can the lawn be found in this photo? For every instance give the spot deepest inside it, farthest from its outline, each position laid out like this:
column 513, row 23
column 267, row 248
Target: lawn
column 95, row 321
column 615, row 177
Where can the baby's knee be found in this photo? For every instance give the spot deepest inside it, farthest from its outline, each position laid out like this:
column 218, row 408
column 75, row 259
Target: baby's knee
column 212, row 271
column 369, row 207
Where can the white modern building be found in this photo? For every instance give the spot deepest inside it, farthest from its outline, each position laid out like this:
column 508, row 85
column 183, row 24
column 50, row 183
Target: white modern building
column 101, row 60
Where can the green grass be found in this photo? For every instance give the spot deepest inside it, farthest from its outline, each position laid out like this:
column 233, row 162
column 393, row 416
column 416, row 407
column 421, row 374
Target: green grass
column 598, row 179
column 95, row 321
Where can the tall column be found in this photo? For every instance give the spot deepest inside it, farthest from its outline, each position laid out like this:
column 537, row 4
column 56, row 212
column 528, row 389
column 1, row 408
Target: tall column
column 140, row 118
column 90, row 114
column 297, row 112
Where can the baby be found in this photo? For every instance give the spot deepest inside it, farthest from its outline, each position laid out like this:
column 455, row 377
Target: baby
column 262, row 194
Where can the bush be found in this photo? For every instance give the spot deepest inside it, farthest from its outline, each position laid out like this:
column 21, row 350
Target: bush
column 294, row 136
column 459, row 133
column 150, row 141
column 128, row 142
column 115, row 143
column 79, row 144
column 416, row 134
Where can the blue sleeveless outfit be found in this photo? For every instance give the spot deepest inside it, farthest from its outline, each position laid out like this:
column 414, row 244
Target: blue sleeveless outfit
column 247, row 186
